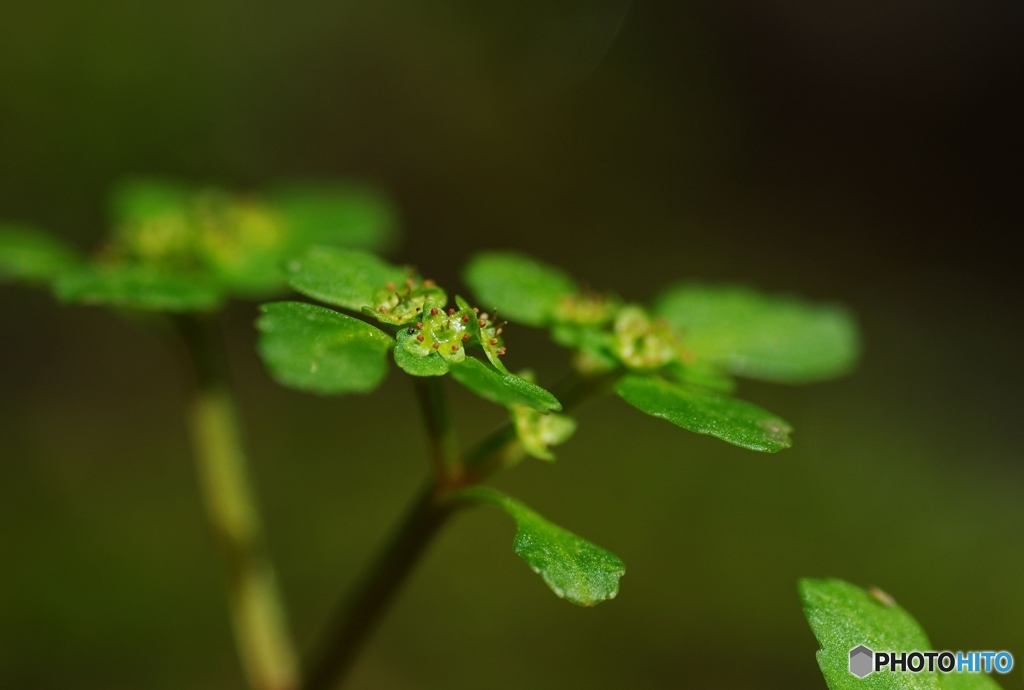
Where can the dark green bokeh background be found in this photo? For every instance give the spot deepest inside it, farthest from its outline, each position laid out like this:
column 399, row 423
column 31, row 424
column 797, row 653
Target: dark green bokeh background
column 869, row 152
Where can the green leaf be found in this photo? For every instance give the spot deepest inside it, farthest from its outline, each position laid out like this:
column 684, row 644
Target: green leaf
column 844, row 616
column 239, row 240
column 573, row 568
column 347, row 215
column 773, row 338
column 343, row 277
column 137, row 287
column 504, row 389
column 967, row 681
column 521, row 288
column 431, row 364
column 32, row 256
column 735, row 421
column 316, row 349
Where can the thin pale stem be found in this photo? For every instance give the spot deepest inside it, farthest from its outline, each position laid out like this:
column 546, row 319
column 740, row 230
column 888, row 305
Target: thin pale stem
column 264, row 644
column 371, row 595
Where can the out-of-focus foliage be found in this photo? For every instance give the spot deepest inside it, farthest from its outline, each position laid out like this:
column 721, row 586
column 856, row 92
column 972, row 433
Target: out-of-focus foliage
column 178, row 248
column 31, row 256
column 760, row 336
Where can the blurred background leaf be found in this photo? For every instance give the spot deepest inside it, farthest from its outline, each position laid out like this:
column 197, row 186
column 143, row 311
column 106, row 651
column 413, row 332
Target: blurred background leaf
column 31, row 255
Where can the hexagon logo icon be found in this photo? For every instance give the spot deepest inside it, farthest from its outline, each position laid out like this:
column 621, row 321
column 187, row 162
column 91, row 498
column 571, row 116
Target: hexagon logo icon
column 861, row 661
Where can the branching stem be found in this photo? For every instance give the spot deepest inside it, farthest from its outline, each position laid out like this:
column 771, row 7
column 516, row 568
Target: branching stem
column 370, row 596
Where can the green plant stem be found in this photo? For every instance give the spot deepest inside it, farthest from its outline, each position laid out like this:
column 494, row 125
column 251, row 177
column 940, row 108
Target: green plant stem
column 369, row 598
column 444, row 445
column 267, row 653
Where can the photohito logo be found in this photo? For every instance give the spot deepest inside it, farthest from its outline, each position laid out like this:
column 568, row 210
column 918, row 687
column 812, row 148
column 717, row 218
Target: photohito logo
column 864, row 661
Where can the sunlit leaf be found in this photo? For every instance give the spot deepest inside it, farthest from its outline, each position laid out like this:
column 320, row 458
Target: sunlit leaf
column 504, row 389
column 137, row 287
column 760, row 336
column 521, row 288
column 844, row 616
column 735, row 421
column 316, row 349
column 32, row 256
column 572, row 567
column 346, row 215
column 343, row 277
column 417, row 363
